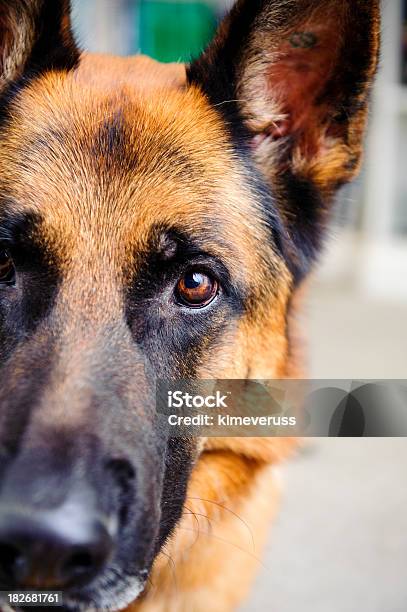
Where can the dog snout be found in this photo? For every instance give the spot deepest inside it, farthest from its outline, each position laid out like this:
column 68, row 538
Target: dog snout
column 67, row 546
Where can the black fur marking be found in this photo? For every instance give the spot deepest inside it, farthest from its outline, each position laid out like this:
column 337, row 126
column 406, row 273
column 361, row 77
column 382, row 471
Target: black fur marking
column 114, row 146
column 306, row 216
column 178, row 467
column 110, row 139
column 6, row 98
column 37, row 278
column 216, row 71
column 17, row 227
column 19, row 396
column 55, row 48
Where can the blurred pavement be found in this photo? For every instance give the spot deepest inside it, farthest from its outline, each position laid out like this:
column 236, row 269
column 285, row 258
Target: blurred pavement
column 339, row 543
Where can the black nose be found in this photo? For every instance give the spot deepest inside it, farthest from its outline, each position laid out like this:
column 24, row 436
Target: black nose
column 62, row 548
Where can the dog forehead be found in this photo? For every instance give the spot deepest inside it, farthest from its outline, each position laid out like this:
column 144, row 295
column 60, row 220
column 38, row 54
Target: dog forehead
column 142, row 73
column 114, row 162
column 68, row 118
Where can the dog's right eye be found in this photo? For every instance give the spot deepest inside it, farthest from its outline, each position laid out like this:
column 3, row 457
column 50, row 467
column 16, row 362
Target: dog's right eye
column 196, row 289
column 7, row 269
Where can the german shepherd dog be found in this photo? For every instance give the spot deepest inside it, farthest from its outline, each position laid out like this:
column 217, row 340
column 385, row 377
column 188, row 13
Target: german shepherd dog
column 158, row 222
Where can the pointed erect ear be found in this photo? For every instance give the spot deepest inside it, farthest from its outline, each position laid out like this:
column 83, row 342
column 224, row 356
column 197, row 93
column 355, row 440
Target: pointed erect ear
column 299, row 72
column 35, row 35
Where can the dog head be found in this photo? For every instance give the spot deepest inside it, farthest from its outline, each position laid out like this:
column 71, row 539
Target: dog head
column 155, row 223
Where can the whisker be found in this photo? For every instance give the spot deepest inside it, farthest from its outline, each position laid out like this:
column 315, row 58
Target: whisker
column 198, row 526
column 228, row 102
column 203, row 516
column 247, row 552
column 171, row 563
column 211, row 501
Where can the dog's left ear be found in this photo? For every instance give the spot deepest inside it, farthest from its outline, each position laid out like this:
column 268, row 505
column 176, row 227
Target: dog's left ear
column 35, row 35
column 298, row 73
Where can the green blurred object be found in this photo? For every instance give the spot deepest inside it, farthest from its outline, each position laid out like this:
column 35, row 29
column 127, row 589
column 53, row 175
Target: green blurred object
column 174, row 31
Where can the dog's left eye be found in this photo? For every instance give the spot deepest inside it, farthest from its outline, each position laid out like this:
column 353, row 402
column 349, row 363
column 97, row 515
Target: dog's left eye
column 7, row 270
column 196, row 289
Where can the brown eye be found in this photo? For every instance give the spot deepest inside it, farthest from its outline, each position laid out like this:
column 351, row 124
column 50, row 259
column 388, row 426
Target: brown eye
column 7, row 271
column 196, row 289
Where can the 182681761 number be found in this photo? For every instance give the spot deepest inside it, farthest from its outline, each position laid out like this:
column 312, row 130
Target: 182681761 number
column 32, row 598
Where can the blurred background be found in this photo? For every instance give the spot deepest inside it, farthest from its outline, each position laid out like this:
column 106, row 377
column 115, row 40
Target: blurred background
column 340, row 542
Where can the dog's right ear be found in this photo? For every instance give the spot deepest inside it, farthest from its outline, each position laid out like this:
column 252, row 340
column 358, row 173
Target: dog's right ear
column 297, row 75
column 35, row 35
column 292, row 79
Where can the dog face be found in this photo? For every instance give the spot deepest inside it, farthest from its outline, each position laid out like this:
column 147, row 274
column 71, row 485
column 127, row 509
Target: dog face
column 155, row 223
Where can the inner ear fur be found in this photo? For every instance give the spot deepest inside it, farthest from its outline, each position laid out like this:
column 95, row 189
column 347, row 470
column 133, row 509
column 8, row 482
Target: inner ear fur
column 297, row 75
column 35, row 35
